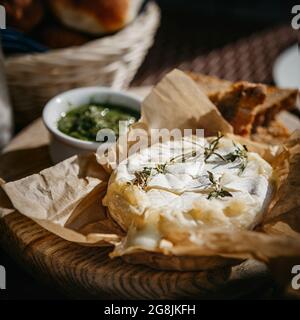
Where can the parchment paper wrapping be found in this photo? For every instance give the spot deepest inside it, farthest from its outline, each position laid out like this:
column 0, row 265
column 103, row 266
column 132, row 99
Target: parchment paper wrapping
column 66, row 199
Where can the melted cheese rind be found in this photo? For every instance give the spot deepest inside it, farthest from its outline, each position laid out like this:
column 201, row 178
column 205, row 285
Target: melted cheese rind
column 175, row 203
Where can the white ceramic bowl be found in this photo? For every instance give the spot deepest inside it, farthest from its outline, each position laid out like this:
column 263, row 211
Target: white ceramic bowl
column 63, row 146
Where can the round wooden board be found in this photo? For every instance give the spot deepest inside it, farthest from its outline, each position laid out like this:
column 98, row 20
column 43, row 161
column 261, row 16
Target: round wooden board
column 88, row 272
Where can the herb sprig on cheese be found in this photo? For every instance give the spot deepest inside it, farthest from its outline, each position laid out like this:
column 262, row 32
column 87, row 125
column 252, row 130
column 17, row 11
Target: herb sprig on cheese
column 238, row 153
column 217, row 189
column 212, row 147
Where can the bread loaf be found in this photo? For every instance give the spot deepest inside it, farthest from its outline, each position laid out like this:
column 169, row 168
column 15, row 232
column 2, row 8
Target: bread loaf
column 95, row 16
column 23, row 15
column 247, row 106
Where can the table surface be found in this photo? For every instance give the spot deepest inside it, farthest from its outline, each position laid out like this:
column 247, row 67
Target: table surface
column 191, row 44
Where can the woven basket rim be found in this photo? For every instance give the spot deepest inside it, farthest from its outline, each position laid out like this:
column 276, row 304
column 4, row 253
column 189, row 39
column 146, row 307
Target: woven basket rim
column 151, row 10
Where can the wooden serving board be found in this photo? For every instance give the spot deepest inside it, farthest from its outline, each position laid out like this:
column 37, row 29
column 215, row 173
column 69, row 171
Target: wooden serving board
column 88, row 272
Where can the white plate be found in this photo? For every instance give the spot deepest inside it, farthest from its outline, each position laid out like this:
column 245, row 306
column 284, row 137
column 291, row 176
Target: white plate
column 286, row 69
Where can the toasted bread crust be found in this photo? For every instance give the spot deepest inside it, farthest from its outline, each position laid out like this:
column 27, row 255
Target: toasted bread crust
column 209, row 84
column 237, row 105
column 274, row 133
column 247, row 106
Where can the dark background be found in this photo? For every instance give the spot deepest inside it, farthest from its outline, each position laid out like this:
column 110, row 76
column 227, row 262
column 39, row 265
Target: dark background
column 252, row 10
column 189, row 28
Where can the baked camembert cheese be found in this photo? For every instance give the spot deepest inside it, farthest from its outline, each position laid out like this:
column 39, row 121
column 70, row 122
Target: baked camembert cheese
column 171, row 190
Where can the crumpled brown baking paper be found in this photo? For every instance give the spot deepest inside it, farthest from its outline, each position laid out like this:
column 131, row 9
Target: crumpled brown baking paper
column 176, row 102
column 66, row 199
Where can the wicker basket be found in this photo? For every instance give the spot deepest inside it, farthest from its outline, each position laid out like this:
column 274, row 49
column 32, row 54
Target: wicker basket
column 110, row 61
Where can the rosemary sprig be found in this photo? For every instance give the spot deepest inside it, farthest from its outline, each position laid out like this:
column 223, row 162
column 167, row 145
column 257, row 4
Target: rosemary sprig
column 218, row 190
column 211, row 149
column 238, row 154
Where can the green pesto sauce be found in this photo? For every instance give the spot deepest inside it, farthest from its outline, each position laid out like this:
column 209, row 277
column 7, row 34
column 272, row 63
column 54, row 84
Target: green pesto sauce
column 85, row 121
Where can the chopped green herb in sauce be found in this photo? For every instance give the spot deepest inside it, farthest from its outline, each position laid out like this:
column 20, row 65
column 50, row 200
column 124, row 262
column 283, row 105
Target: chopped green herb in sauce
column 85, row 121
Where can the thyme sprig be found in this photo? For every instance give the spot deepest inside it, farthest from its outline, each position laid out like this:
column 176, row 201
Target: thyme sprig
column 142, row 177
column 183, row 157
column 218, row 190
column 240, row 154
column 212, row 147
column 161, row 168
